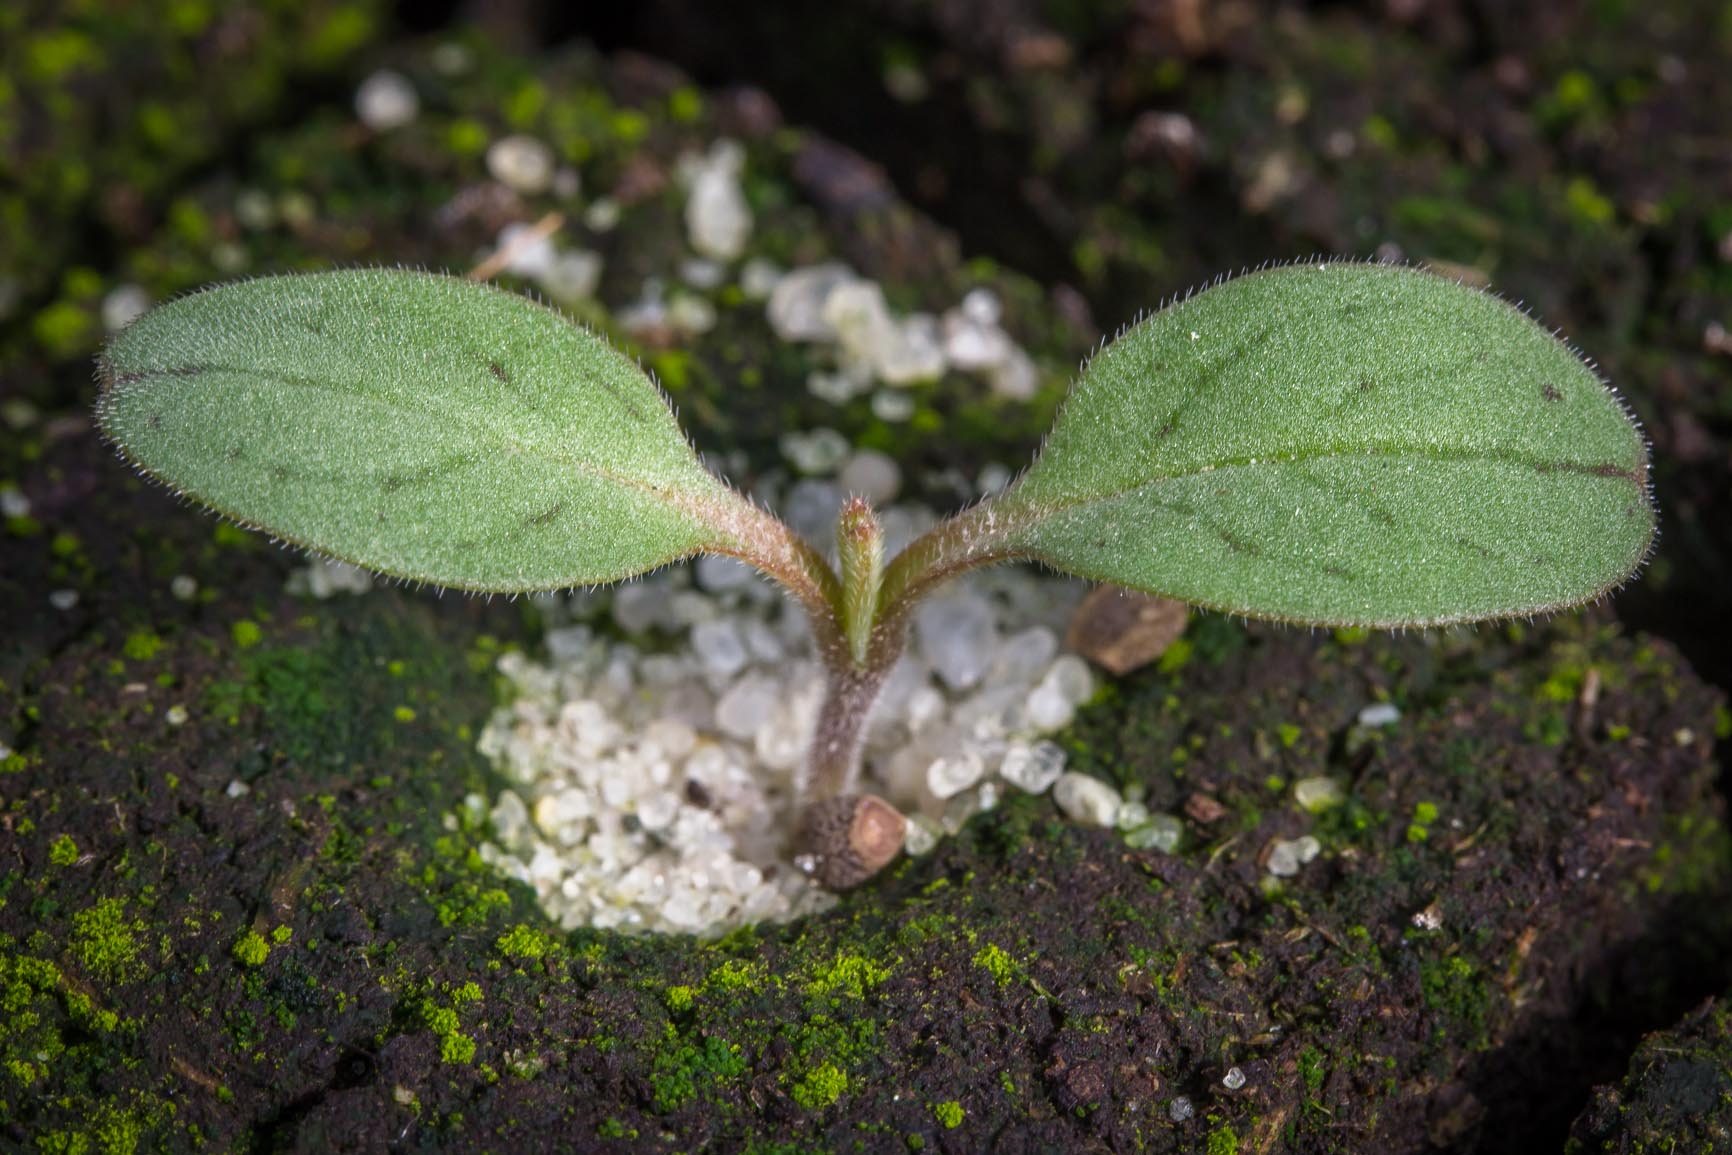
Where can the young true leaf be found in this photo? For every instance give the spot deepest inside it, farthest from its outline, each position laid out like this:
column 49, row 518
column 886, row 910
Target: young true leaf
column 419, row 425
column 1338, row 444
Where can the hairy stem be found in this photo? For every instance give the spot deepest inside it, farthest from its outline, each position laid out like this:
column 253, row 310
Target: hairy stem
column 833, row 766
column 860, row 620
column 968, row 540
column 971, row 539
column 761, row 540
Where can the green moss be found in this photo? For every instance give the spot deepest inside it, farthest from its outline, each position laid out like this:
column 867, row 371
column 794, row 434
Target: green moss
column 1587, row 204
column 252, row 950
column 282, row 935
column 104, row 942
column 466, row 136
column 30, row 1035
column 738, row 976
column 454, row 1046
column 64, row 851
column 246, row 634
column 821, row 1087
column 142, row 645
column 997, row 962
column 849, row 974
column 523, row 942
column 949, row 1114
column 678, row 999
column 1222, row 1141
column 113, row 1131
column 612, row 1128
column 683, row 1068
column 1453, row 989
column 1312, row 1069
column 685, row 104
column 64, row 329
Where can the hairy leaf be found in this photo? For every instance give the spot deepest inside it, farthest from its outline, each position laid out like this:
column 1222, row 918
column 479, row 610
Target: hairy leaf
column 1341, row 444
column 423, row 426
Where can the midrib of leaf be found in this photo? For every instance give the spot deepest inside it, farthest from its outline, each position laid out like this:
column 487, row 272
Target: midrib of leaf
column 465, row 423
column 1009, row 506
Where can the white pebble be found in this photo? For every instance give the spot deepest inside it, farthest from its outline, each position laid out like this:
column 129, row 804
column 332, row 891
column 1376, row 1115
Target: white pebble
column 974, row 347
column 718, row 219
column 1287, row 856
column 1180, row 1110
column 981, row 306
column 857, row 314
column 238, row 789
column 747, row 705
column 702, row 274
column 717, row 574
column 529, row 253
column 1378, row 715
column 872, row 475
column 254, row 209
column 176, row 716
column 993, row 477
column 386, row 100
column 1023, row 657
column 522, row 163
column 796, row 307
column 911, row 351
column 1087, row 799
column 602, row 215
column 13, row 503
column 819, row 452
column 889, row 405
column 123, row 305
column 783, row 739
column 690, row 315
column 1016, row 378
column 1048, row 709
column 759, row 278
column 675, row 738
column 948, row 777
column 956, row 634
column 1032, row 768
column 837, row 388
column 322, row 578
column 63, row 599
column 572, row 276
column 184, row 587
column 922, row 836
column 1072, row 678
column 1233, row 1079
column 1161, row 832
column 658, row 810
column 637, row 606
column 1318, row 794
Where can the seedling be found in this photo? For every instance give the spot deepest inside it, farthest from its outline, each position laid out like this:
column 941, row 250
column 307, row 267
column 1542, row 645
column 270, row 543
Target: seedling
column 1332, row 444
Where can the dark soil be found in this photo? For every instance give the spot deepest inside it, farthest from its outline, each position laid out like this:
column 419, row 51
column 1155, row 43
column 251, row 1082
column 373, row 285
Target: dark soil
column 257, row 930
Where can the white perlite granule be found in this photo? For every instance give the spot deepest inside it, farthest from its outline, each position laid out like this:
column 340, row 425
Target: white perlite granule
column 654, row 780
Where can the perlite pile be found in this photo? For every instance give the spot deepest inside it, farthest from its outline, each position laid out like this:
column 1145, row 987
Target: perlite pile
column 653, row 778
